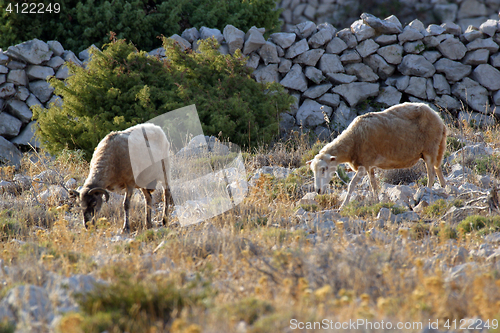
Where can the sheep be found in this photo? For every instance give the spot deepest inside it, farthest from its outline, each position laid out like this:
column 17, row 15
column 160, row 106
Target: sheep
column 395, row 138
column 111, row 169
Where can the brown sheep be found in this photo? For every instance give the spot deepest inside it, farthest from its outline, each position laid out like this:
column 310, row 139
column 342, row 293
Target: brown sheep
column 395, row 138
column 111, row 169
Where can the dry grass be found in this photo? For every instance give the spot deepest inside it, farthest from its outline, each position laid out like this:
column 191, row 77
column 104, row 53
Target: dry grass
column 252, row 268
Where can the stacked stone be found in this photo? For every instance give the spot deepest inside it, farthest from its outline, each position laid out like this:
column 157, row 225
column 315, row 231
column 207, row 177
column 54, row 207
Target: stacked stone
column 24, row 70
column 340, row 12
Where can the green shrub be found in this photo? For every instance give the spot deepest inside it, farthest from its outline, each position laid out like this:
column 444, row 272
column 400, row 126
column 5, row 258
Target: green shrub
column 479, row 223
column 489, row 164
column 122, row 86
column 355, row 209
column 80, row 24
column 250, row 309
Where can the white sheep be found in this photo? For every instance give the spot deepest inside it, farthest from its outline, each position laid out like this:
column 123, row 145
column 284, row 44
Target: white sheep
column 395, row 138
column 111, row 169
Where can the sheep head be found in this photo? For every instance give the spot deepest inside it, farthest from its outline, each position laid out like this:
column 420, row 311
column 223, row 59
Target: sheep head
column 90, row 200
column 323, row 166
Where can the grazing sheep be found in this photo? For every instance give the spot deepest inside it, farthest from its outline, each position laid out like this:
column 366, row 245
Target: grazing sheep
column 111, row 169
column 395, row 138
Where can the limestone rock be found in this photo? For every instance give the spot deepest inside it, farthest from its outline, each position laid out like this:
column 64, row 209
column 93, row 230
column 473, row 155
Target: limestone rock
column 432, row 56
column 409, row 34
column 336, row 46
column 472, row 93
column 367, row 47
column 9, row 154
column 441, row 85
column 55, row 62
column 297, row 49
column 317, row 91
column 206, row 33
column 311, row 113
column 269, row 54
column 33, row 51
column 471, row 8
column 295, row 79
column 56, row 47
column 453, row 70
column 341, row 78
column 350, row 57
column 9, row 125
column 27, row 136
column 254, row 41
column 348, row 37
column 267, row 73
column 417, row 87
column 389, row 96
column 448, row 102
column 343, row 116
column 380, row 66
column 382, row 26
column 320, row 38
column 330, row 63
column 283, row 39
column 356, row 92
column 18, row 77
column 192, row 34
column 183, row 43
column 22, row 93
column 416, row 65
column 393, row 54
column 314, row 74
column 452, row 49
column 488, row 76
column 480, row 43
column 39, row 72
column 476, row 118
column 20, row 110
column 310, row 57
column 385, row 40
column 305, row 29
column 362, row 31
column 285, row 65
column 332, row 100
column 7, row 90
column 235, row 38
column 41, row 89
column 362, row 72
column 70, row 56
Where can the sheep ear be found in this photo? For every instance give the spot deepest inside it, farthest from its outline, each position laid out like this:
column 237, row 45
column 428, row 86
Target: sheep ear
column 332, row 158
column 309, row 162
column 74, row 194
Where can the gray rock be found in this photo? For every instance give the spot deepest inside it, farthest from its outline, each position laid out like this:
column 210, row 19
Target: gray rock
column 380, row 66
column 332, row 100
column 405, row 217
column 311, row 113
column 382, row 26
column 478, row 119
column 41, row 89
column 320, row 38
column 449, row 26
column 206, row 33
column 314, row 74
column 414, row 47
column 287, row 122
column 9, row 154
column 434, row 30
column 192, row 34
column 416, row 65
column 401, row 195
column 480, row 43
column 284, row 66
column 350, row 57
column 235, row 38
column 452, row 49
column 34, row 52
column 441, row 85
column 62, row 73
column 432, row 56
column 283, row 39
column 489, row 27
column 362, row 72
column 488, row 76
column 297, row 49
column 472, row 33
column 409, row 34
column 7, row 90
column 348, row 37
column 159, row 52
column 253, row 60
column 389, row 96
column 3, row 78
column 417, row 87
column 367, row 47
column 254, row 41
column 322, row 133
column 183, row 43
column 471, row 8
column 393, row 54
column 477, row 57
column 327, row 26
column 70, row 56
column 340, row 78
column 310, row 57
column 16, row 65
column 356, row 92
column 55, row 62
column 22, row 93
column 32, row 101
column 9, row 125
column 305, row 29
column 417, row 25
column 56, row 47
column 453, row 70
column 267, row 73
column 18, row 77
column 86, row 54
column 36, row 72
column 472, row 93
column 3, row 69
column 495, row 60
column 295, row 79
column 362, row 31
column 336, row 46
column 447, row 102
column 343, row 116
column 20, row 110
column 402, row 82
column 3, row 58
column 317, row 91
column 385, row 40
column 330, row 63
column 57, row 100
column 27, row 136
column 269, row 54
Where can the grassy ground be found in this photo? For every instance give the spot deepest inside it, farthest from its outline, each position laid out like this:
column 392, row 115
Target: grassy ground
column 253, row 269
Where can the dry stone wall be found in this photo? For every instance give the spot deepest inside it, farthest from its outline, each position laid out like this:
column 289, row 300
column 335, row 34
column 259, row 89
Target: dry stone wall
column 330, row 72
column 341, row 13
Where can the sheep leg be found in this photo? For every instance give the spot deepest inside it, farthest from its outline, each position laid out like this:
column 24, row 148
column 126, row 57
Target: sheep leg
column 167, row 200
column 373, row 182
column 354, row 181
column 431, row 177
column 440, row 175
column 126, row 208
column 147, row 203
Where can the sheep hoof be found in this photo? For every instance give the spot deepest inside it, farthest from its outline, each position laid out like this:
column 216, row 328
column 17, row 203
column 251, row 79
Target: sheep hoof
column 125, row 231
